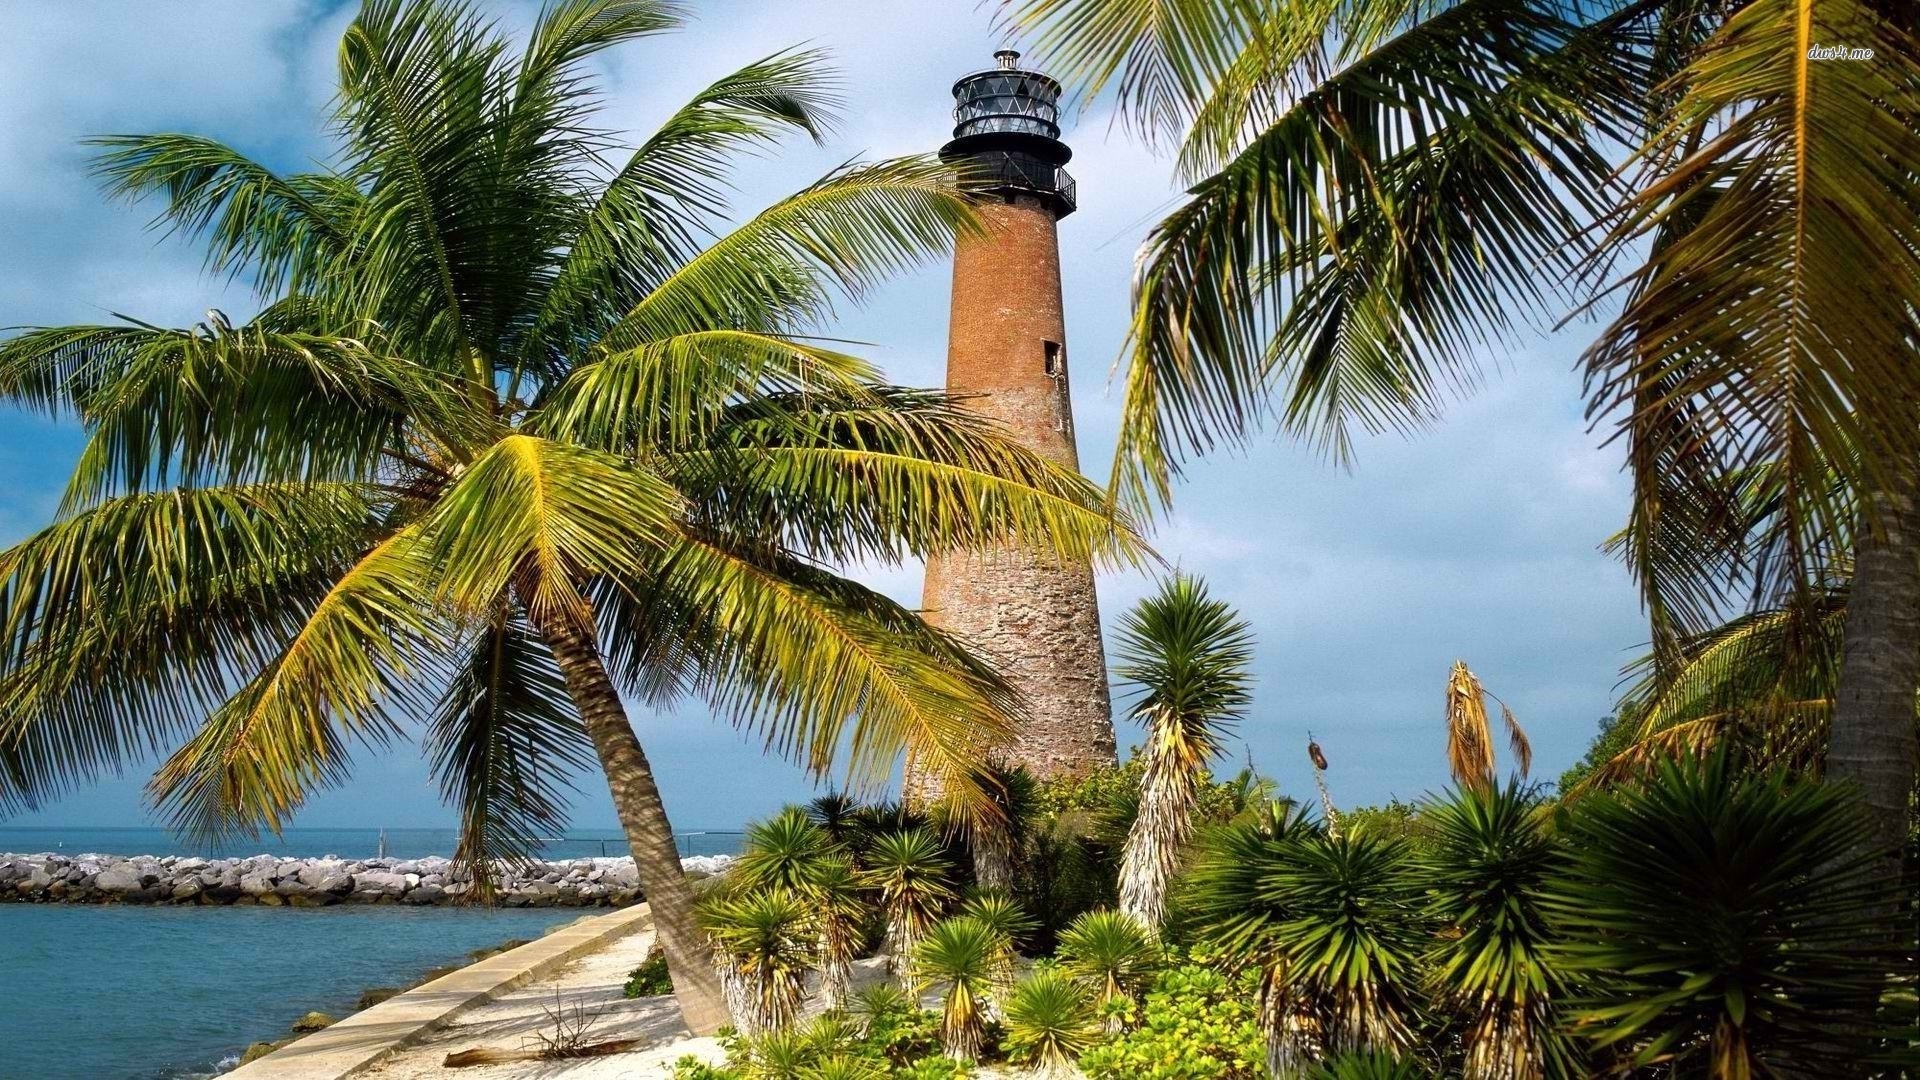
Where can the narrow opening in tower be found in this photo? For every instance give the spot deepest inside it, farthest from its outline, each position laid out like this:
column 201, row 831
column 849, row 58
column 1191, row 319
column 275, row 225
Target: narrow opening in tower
column 1053, row 358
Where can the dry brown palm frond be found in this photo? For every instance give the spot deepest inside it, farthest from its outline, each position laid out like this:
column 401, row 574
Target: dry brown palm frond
column 1470, row 733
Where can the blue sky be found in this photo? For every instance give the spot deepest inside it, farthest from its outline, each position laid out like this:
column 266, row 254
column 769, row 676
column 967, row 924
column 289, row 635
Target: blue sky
column 1477, row 540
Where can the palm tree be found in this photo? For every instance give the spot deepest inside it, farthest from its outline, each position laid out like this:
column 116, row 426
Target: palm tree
column 1050, row 1022
column 1470, row 735
column 506, row 439
column 1380, row 191
column 911, row 875
column 1486, row 877
column 766, row 943
column 1113, row 955
column 1717, row 926
column 1187, row 655
column 958, row 956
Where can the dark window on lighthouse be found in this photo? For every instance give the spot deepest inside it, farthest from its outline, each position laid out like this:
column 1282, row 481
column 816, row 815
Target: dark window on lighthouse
column 1053, row 358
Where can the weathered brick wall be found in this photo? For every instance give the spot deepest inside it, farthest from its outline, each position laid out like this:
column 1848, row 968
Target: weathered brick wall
column 1036, row 620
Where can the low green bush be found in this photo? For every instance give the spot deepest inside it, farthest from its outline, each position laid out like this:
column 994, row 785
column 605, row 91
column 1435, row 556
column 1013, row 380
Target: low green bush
column 650, row 979
column 1195, row 1024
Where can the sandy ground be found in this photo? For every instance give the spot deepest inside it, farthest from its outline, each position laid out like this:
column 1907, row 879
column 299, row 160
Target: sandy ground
column 589, row 986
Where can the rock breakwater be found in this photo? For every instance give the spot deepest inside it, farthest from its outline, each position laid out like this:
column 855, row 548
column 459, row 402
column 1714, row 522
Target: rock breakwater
column 270, row 880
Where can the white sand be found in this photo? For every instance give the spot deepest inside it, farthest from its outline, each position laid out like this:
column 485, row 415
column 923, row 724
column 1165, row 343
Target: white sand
column 514, row 1021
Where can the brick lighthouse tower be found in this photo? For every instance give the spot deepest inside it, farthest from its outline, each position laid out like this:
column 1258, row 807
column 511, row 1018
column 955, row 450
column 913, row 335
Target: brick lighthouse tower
column 1035, row 619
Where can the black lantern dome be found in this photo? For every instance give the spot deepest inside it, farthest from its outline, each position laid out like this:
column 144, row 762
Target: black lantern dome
column 1006, row 134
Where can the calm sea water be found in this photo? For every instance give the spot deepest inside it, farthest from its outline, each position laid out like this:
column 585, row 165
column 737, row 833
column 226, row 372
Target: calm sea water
column 346, row 843
column 144, row 993
column 155, row 993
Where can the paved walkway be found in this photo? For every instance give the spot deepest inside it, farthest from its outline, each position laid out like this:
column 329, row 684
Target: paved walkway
column 499, row 1002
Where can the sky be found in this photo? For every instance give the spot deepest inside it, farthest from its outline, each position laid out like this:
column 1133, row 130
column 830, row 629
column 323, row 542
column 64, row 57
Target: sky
column 1475, row 540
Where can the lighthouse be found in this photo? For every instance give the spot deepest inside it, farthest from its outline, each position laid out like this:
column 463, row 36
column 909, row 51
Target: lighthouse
column 1034, row 618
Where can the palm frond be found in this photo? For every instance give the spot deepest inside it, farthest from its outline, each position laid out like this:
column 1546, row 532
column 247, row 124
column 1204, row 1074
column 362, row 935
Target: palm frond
column 824, row 668
column 124, row 625
column 1333, row 265
column 1776, row 307
column 352, row 671
column 503, row 741
column 884, row 473
column 543, row 516
column 647, row 220
column 283, row 230
column 779, row 270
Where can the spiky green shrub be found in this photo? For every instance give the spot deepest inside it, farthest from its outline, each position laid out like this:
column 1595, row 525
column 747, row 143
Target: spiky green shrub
column 765, row 944
column 1372, row 1065
column 1113, row 955
column 783, row 852
column 1491, row 856
column 912, row 876
column 1719, row 925
column 1195, row 1024
column 1355, row 938
column 1007, row 919
column 958, row 958
column 1050, row 1022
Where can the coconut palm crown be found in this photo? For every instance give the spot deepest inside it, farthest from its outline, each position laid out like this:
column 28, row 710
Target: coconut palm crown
column 523, row 424
column 1187, row 654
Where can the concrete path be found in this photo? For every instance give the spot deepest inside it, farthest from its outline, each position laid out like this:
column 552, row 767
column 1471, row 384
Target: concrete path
column 368, row 1037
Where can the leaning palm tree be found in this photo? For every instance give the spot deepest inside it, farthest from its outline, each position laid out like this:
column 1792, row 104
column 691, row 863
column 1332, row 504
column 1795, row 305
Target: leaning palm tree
column 912, row 877
column 1187, row 655
column 1382, row 191
column 1486, row 878
column 1470, row 734
column 512, row 433
column 957, row 956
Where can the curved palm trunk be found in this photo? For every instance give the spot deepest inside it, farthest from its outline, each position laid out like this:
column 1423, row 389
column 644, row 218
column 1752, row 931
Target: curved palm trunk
column 1873, row 742
column 636, row 798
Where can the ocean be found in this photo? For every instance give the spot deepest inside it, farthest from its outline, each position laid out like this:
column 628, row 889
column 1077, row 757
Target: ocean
column 346, row 843
column 137, row 992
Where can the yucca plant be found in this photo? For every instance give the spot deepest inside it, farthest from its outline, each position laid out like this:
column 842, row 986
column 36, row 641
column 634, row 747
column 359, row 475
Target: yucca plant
column 1050, row 1021
column 1113, row 955
column 912, row 875
column 1009, row 921
column 1187, row 657
column 784, row 851
column 1227, row 908
column 793, row 1053
column 1352, row 936
column 844, row 1067
column 524, row 422
column 1486, row 876
column 1371, row 1065
column 839, row 904
column 837, row 814
column 1720, row 925
column 767, row 943
column 958, row 958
